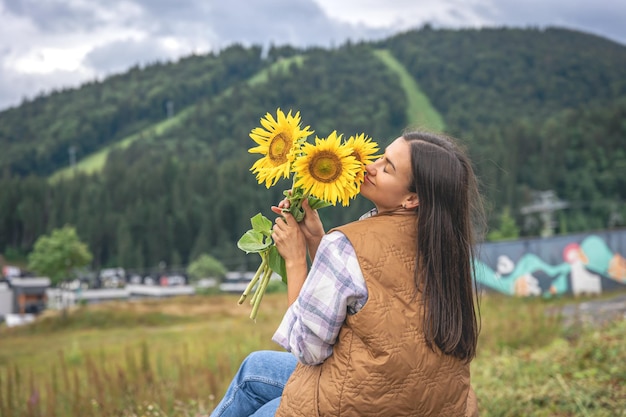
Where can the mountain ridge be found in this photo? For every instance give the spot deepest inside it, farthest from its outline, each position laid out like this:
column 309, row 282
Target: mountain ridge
column 537, row 110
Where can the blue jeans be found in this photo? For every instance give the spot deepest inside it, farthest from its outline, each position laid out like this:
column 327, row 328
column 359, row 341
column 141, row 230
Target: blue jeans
column 258, row 385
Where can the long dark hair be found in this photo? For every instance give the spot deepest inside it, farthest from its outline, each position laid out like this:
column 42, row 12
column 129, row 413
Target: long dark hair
column 449, row 204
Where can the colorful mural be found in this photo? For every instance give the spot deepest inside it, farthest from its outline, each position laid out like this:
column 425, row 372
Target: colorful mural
column 574, row 264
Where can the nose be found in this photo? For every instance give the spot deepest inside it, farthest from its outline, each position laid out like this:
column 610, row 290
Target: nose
column 370, row 169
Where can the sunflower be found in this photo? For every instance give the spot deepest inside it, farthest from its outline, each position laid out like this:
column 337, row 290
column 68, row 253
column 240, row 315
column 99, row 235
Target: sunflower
column 327, row 170
column 278, row 141
column 364, row 150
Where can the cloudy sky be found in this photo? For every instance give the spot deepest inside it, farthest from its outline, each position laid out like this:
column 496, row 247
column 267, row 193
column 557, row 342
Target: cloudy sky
column 47, row 44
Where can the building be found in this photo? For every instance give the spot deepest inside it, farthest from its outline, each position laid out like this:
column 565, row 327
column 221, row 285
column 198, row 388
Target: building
column 6, row 299
column 29, row 294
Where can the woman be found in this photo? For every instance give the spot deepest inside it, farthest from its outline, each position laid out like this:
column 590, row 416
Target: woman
column 384, row 324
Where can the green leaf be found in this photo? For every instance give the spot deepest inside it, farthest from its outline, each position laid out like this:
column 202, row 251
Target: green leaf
column 261, row 224
column 317, row 203
column 297, row 212
column 253, row 242
column 277, row 263
column 295, row 194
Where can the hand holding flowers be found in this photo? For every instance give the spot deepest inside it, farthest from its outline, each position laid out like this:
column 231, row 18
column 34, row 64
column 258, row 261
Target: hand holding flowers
column 310, row 225
column 324, row 173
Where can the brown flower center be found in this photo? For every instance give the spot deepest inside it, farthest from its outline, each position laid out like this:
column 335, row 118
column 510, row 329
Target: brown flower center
column 356, row 156
column 325, row 167
column 278, row 149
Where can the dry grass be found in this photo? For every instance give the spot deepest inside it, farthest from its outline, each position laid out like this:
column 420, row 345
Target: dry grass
column 175, row 357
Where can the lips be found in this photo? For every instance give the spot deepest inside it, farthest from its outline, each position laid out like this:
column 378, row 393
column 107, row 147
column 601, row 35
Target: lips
column 367, row 178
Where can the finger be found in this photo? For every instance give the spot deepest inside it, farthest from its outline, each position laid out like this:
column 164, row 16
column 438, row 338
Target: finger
column 276, row 232
column 306, row 206
column 289, row 219
column 277, row 210
column 308, row 210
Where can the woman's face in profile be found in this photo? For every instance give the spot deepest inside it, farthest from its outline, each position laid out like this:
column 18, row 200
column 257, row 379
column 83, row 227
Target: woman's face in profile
column 388, row 178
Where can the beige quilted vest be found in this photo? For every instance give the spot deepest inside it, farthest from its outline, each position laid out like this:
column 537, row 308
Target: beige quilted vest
column 380, row 365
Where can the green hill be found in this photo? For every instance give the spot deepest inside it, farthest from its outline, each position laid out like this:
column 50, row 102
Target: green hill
column 36, row 136
column 162, row 170
column 95, row 162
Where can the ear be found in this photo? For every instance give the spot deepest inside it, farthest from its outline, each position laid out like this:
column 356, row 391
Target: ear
column 411, row 202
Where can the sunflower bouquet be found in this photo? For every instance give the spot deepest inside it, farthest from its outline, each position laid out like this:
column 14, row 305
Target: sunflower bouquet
column 326, row 172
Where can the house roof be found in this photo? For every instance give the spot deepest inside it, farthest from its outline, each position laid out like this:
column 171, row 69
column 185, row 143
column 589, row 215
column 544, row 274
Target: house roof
column 41, row 282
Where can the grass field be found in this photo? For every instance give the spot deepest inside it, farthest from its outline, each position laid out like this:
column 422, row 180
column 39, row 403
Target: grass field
column 175, row 357
column 420, row 112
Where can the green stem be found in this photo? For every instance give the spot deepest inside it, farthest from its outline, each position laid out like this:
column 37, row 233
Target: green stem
column 261, row 290
column 254, row 279
column 256, row 290
column 262, row 270
column 295, row 207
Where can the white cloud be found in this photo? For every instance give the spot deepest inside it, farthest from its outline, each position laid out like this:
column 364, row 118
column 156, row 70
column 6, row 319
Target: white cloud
column 47, row 44
column 45, row 60
column 405, row 14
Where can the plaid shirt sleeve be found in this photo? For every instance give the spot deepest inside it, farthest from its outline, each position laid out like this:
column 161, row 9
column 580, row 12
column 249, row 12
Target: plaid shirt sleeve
column 334, row 288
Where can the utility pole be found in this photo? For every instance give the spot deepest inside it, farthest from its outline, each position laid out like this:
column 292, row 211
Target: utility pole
column 545, row 203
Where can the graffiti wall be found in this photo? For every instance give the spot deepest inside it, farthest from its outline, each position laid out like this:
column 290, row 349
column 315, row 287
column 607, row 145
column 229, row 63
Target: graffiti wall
column 589, row 263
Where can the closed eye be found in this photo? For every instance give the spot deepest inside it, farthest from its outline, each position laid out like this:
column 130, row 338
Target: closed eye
column 387, row 162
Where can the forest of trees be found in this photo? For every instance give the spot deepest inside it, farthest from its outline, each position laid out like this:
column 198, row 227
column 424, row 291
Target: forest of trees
column 537, row 109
